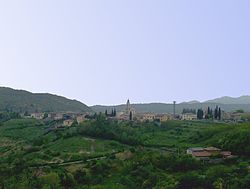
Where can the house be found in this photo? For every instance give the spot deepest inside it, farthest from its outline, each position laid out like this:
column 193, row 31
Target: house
column 123, row 117
column 213, row 150
column 68, row 122
column 80, row 119
column 55, row 116
column 208, row 152
column 236, row 116
column 197, row 149
column 189, row 116
column 232, row 116
column 163, row 117
column 145, row 117
column 226, row 154
column 37, row 115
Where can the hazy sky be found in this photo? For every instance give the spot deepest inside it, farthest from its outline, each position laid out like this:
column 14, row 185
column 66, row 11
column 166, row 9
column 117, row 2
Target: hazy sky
column 105, row 51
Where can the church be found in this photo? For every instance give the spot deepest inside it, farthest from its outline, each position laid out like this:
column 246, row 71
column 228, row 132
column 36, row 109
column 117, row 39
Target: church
column 128, row 113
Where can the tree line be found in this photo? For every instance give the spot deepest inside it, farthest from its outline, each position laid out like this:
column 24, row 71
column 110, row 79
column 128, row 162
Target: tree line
column 209, row 113
column 112, row 114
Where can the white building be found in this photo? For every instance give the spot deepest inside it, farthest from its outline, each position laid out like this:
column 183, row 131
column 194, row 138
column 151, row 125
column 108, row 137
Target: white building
column 68, row 122
column 80, row 119
column 37, row 115
column 189, row 116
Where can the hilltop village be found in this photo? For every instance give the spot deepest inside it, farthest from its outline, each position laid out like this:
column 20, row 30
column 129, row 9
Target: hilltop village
column 206, row 154
column 130, row 114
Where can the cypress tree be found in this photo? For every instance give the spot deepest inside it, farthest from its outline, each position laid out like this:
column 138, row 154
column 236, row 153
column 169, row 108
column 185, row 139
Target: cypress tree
column 200, row 114
column 130, row 116
column 219, row 114
column 216, row 112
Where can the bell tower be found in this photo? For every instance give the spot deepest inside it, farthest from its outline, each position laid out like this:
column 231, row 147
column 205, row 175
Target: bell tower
column 128, row 107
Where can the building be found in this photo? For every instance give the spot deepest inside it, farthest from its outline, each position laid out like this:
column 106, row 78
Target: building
column 193, row 150
column 189, row 116
column 145, row 117
column 213, row 150
column 232, row 116
column 129, row 108
column 163, row 117
column 199, row 153
column 126, row 114
column 208, row 152
column 236, row 117
column 80, row 119
column 37, row 115
column 68, row 123
column 55, row 116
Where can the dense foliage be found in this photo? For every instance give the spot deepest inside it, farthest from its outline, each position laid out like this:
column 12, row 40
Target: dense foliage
column 109, row 154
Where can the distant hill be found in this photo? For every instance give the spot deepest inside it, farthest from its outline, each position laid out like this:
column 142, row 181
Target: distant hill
column 21, row 101
column 226, row 103
column 231, row 100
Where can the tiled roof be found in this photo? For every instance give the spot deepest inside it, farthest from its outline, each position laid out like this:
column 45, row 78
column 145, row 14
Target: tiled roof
column 212, row 149
column 201, row 154
column 196, row 149
column 226, row 153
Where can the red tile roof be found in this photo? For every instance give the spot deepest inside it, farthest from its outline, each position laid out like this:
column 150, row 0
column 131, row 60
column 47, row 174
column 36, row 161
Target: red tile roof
column 201, row 154
column 226, row 153
column 212, row 149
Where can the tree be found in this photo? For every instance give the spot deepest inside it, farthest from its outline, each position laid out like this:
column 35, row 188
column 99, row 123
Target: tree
column 211, row 114
column 239, row 111
column 200, row 114
column 130, row 116
column 106, row 112
column 45, row 116
column 67, row 180
column 26, row 113
column 187, row 110
column 114, row 112
column 216, row 111
column 219, row 114
column 51, row 180
column 82, row 176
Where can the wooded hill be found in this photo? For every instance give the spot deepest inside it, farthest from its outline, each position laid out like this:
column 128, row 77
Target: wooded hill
column 22, row 101
column 228, row 104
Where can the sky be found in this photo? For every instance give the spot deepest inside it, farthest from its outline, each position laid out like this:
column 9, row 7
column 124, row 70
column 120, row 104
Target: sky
column 104, row 52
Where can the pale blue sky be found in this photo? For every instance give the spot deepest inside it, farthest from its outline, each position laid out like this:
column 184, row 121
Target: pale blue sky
column 105, row 51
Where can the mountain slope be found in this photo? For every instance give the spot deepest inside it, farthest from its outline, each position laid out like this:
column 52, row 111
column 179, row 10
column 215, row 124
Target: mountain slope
column 228, row 104
column 21, row 101
column 231, row 100
column 168, row 108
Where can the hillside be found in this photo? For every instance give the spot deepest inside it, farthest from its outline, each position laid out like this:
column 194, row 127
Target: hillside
column 126, row 155
column 228, row 104
column 21, row 101
column 231, row 100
